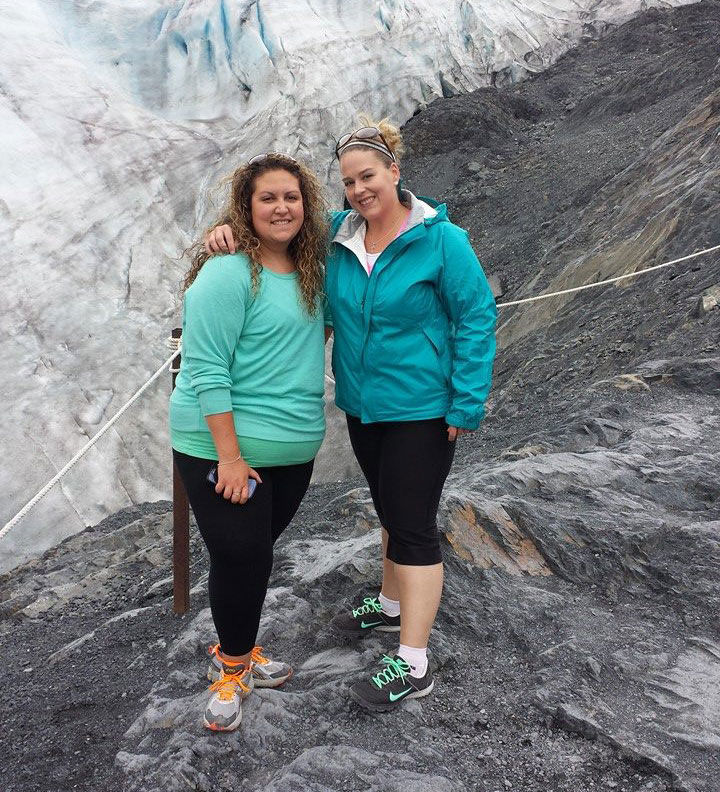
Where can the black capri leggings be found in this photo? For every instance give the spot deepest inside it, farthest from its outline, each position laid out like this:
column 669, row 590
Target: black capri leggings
column 405, row 464
column 240, row 542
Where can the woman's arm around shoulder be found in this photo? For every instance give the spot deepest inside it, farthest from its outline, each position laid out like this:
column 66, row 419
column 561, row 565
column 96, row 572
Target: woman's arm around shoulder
column 220, row 239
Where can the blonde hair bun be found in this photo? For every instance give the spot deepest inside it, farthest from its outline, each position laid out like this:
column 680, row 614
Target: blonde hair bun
column 389, row 131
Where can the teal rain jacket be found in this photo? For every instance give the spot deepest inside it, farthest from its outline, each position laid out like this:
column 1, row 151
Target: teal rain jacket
column 415, row 339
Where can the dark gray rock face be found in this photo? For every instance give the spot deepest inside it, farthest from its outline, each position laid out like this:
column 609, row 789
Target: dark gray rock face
column 631, row 521
column 578, row 644
column 605, row 164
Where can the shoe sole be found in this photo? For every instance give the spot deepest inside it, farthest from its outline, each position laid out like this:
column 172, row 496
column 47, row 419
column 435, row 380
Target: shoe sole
column 271, row 683
column 360, row 633
column 386, row 707
column 215, row 727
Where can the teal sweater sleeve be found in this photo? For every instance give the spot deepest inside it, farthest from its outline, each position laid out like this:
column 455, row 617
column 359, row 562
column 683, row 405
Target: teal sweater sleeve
column 213, row 316
column 470, row 304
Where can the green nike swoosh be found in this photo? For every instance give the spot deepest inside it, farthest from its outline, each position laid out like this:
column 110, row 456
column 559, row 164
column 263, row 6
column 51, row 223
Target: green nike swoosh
column 396, row 696
column 372, row 624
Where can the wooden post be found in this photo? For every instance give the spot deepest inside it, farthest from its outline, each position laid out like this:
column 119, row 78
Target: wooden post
column 181, row 525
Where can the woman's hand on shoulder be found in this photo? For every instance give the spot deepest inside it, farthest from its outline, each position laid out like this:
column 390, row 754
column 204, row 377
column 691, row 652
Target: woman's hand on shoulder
column 233, row 481
column 220, row 240
column 455, row 431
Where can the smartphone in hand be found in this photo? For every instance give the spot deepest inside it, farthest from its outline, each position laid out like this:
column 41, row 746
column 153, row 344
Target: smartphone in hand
column 212, row 479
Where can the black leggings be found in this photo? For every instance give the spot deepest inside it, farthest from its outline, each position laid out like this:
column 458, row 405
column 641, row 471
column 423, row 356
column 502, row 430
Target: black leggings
column 240, row 542
column 405, row 464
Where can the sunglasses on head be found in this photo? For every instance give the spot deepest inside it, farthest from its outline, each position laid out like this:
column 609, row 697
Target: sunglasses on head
column 365, row 136
column 270, row 154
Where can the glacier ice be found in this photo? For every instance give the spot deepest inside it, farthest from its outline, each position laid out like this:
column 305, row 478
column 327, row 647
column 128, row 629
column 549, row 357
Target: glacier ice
column 116, row 122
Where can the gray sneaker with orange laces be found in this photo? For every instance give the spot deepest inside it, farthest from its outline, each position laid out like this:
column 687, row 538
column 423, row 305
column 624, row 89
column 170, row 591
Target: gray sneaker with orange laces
column 267, row 673
column 224, row 711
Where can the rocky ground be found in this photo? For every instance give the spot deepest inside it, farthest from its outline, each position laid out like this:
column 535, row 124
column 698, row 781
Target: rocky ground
column 578, row 645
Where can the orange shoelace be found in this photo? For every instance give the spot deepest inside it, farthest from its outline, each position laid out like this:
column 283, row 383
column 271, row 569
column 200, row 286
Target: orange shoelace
column 258, row 657
column 227, row 685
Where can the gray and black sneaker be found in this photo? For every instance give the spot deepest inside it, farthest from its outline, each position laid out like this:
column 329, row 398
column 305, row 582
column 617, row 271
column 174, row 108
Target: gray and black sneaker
column 363, row 620
column 392, row 685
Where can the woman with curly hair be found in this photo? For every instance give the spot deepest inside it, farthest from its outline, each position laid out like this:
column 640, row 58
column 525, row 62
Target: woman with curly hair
column 246, row 415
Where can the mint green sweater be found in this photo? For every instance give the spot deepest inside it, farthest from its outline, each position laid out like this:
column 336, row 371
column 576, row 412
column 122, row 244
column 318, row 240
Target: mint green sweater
column 259, row 356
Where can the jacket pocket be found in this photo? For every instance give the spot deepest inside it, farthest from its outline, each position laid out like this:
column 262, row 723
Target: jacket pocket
column 438, row 343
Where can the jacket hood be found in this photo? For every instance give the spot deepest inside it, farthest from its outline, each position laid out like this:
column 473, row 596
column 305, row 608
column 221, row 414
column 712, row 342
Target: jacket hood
column 422, row 210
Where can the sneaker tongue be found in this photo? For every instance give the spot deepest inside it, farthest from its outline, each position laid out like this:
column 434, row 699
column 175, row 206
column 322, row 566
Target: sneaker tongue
column 234, row 668
column 403, row 664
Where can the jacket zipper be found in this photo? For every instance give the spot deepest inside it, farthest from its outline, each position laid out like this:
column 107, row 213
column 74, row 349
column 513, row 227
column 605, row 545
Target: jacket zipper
column 362, row 304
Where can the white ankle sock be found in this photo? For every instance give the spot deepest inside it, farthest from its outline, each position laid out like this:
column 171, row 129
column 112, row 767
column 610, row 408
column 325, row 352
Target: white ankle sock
column 390, row 607
column 415, row 658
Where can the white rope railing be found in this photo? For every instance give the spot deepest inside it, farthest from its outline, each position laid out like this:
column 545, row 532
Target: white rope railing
column 609, row 280
column 599, row 283
column 81, row 453
column 175, row 344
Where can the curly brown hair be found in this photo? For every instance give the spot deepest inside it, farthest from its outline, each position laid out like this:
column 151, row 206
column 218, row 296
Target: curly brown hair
column 307, row 249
